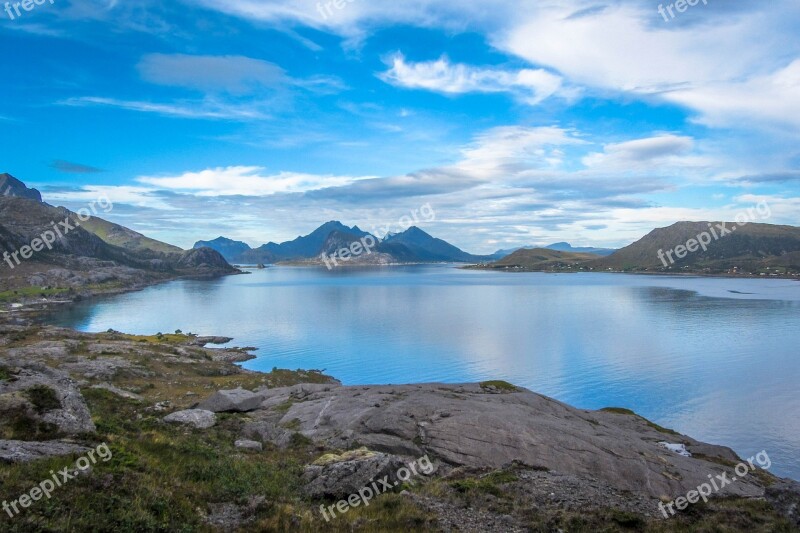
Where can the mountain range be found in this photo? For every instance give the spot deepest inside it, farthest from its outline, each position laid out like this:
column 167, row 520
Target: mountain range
column 411, row 246
column 97, row 251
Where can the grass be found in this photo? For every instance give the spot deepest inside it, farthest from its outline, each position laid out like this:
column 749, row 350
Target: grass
column 5, row 374
column 502, row 386
column 23, row 293
column 623, row 411
column 490, row 483
column 43, row 398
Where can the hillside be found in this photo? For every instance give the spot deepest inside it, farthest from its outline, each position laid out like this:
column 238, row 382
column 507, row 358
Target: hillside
column 750, row 249
column 73, row 260
column 126, row 238
column 540, row 259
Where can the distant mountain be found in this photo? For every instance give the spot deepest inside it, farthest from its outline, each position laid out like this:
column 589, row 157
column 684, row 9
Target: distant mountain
column 229, row 249
column 11, row 186
column 83, row 252
column 559, row 246
column 541, row 259
column 411, row 246
column 427, row 248
column 567, row 247
column 749, row 249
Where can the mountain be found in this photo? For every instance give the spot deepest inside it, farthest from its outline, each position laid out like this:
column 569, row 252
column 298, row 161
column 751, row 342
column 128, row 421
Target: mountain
column 430, row 249
column 312, row 244
column 11, row 186
column 42, row 245
column 753, row 248
column 559, row 246
column 567, row 247
column 231, row 250
column 411, row 246
column 540, row 259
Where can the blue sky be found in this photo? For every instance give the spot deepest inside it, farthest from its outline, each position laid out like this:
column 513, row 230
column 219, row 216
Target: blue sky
column 518, row 121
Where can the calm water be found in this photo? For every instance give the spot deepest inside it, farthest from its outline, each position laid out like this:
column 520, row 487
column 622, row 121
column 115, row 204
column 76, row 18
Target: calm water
column 718, row 359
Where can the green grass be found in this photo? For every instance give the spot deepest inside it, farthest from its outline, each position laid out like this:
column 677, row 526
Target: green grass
column 5, row 374
column 623, row 411
column 17, row 295
column 490, row 483
column 503, row 386
column 43, row 398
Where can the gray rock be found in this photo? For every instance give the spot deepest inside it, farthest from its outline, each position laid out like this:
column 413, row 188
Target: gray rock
column 232, row 401
column 249, row 445
column 14, row 451
column 466, row 425
column 202, row 341
column 197, row 418
column 338, row 477
column 70, row 416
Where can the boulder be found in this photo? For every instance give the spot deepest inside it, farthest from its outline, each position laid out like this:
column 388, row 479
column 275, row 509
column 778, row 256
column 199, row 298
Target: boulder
column 197, row 418
column 233, row 401
column 339, row 476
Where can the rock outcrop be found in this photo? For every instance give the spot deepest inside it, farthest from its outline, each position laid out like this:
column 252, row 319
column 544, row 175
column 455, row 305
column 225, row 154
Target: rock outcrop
column 15, row 451
column 492, row 425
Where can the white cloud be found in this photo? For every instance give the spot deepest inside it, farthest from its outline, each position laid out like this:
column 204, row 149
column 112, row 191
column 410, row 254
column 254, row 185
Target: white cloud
column 727, row 62
column 245, row 181
column 531, row 86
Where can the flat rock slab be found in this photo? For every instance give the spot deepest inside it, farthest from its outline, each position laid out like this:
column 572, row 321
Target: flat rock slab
column 232, row 401
column 15, row 451
column 477, row 426
column 197, row 418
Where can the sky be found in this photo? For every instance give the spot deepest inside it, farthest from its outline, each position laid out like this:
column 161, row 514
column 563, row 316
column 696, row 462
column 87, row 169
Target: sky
column 517, row 122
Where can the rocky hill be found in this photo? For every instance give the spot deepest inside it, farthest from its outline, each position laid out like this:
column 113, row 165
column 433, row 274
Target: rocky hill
column 52, row 251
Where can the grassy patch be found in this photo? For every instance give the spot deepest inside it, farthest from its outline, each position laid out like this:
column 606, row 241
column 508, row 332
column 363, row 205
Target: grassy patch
column 43, row 398
column 500, row 385
column 490, row 483
column 618, row 410
column 5, row 374
column 22, row 293
column 623, row 411
column 169, row 338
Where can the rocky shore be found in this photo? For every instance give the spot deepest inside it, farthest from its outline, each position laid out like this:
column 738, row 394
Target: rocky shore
column 201, row 444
